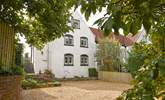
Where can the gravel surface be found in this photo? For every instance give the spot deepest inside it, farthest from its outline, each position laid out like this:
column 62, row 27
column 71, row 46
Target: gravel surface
column 77, row 90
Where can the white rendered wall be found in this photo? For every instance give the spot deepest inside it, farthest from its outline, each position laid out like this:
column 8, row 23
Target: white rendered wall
column 40, row 60
column 56, row 49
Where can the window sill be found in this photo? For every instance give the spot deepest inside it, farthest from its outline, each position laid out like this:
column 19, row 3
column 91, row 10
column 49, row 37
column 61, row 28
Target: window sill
column 68, row 64
column 84, row 65
column 68, row 45
column 84, row 46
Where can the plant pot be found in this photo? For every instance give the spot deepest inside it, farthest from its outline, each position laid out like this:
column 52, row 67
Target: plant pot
column 10, row 87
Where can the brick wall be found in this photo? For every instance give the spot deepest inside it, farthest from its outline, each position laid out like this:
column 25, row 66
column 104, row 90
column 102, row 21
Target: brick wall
column 10, row 87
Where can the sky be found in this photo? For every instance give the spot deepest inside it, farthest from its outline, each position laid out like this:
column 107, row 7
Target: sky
column 93, row 18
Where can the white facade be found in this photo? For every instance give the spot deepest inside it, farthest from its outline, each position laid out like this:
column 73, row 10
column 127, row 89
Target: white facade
column 52, row 55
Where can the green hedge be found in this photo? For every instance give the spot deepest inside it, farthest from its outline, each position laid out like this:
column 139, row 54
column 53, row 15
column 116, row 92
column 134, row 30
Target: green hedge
column 92, row 72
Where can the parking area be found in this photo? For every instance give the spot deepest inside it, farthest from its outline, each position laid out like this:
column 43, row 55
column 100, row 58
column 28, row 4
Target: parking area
column 78, row 90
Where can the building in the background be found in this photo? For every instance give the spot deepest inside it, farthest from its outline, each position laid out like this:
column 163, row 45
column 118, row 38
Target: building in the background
column 126, row 42
column 69, row 56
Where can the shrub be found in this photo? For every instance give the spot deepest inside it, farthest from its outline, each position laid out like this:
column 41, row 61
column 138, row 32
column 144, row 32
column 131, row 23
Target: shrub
column 136, row 59
column 149, row 81
column 5, row 71
column 29, row 84
column 18, row 70
column 92, row 72
column 108, row 54
column 49, row 73
column 38, row 81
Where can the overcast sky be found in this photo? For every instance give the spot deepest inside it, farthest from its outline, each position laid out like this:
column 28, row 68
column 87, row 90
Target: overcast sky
column 93, row 18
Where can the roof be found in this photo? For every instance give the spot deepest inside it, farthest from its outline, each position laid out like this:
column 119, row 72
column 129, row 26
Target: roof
column 123, row 40
column 98, row 34
column 135, row 37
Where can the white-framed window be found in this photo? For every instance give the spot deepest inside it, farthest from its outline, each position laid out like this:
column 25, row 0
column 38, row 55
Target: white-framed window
column 83, row 42
column 84, row 60
column 75, row 23
column 68, row 60
column 68, row 40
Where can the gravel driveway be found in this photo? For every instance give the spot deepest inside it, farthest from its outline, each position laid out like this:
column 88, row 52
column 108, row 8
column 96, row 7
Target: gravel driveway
column 77, row 90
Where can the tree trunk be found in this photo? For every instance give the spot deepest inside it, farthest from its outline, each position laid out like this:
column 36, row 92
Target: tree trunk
column 7, row 38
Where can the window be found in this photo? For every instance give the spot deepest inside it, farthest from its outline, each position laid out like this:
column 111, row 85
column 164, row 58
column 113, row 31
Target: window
column 68, row 60
column 68, row 40
column 84, row 60
column 83, row 42
column 75, row 23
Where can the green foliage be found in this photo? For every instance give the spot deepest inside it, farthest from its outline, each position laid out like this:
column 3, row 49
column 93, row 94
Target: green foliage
column 40, row 21
column 136, row 58
column 129, row 15
column 109, row 54
column 18, row 54
column 18, row 70
column 35, row 81
column 30, row 83
column 5, row 71
column 92, row 72
column 149, row 81
column 158, row 39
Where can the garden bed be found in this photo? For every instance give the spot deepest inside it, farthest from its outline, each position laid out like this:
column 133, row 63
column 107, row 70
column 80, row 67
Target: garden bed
column 77, row 79
column 39, row 81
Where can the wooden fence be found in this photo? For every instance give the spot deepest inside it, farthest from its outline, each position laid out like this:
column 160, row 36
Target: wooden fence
column 7, row 35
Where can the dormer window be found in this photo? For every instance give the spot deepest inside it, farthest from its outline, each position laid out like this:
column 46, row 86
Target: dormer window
column 84, row 42
column 75, row 23
column 68, row 40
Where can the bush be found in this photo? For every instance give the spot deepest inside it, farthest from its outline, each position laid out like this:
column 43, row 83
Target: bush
column 149, row 81
column 5, row 71
column 92, row 72
column 136, row 59
column 109, row 55
column 49, row 73
column 29, row 84
column 38, row 81
column 18, row 70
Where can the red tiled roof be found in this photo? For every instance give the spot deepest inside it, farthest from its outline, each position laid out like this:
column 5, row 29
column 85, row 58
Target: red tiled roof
column 97, row 33
column 135, row 37
column 124, row 41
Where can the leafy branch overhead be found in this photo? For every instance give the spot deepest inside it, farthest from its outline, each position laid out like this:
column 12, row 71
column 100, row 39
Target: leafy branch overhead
column 39, row 20
column 129, row 15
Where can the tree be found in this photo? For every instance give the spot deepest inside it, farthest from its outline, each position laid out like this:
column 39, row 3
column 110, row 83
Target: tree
column 127, row 14
column 131, row 15
column 40, row 21
column 109, row 55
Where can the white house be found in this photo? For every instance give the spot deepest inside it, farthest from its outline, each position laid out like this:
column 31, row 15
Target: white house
column 68, row 56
